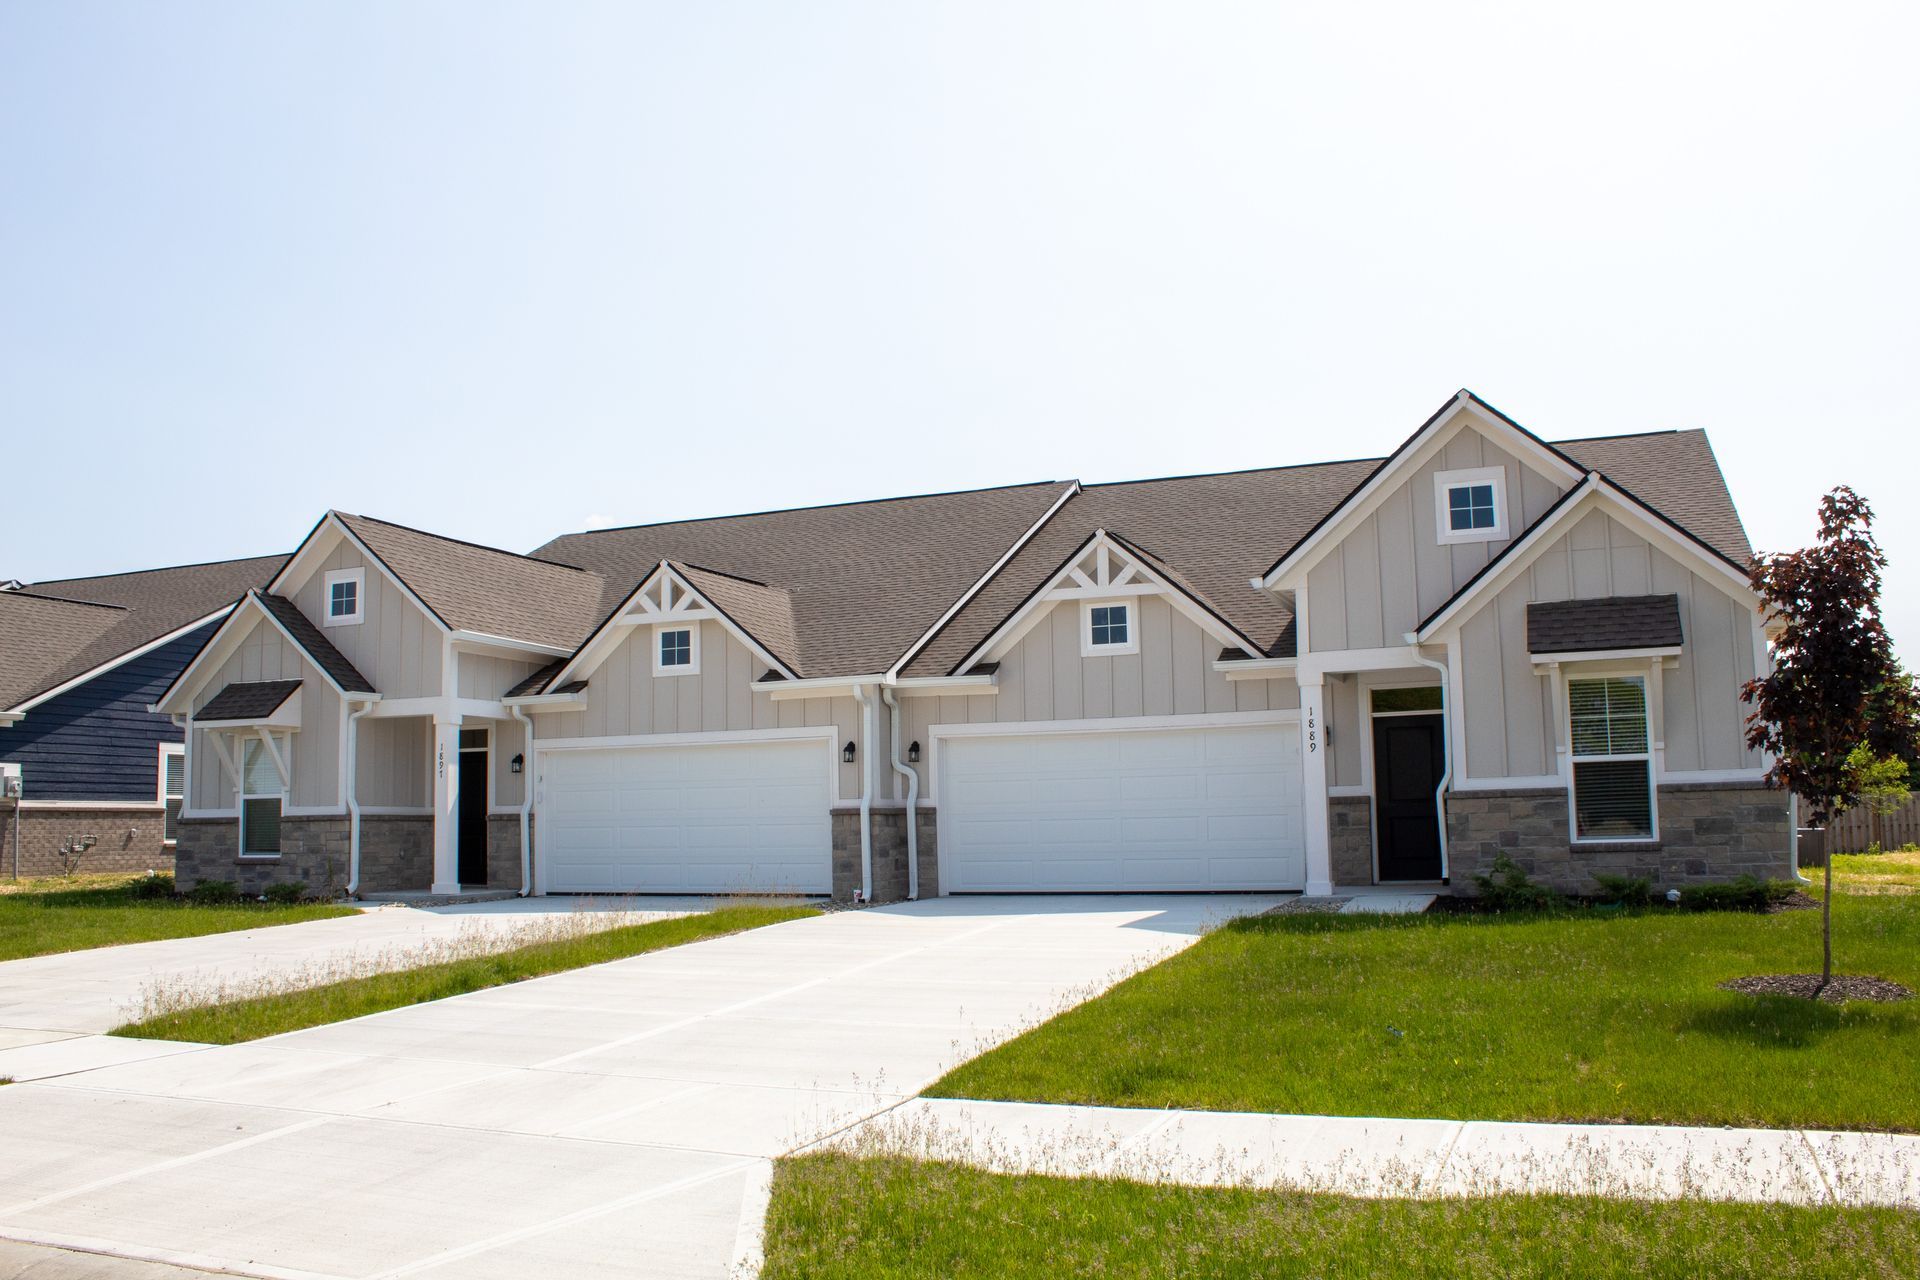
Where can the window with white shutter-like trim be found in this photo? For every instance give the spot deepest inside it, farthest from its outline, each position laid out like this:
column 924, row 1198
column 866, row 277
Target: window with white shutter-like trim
column 1612, row 758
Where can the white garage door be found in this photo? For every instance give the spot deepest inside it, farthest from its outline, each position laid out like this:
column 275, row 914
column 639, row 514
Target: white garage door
column 729, row 818
column 1166, row 809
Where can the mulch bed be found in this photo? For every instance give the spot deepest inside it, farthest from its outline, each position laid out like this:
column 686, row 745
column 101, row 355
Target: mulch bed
column 1802, row 986
column 1304, row 906
column 1800, row 901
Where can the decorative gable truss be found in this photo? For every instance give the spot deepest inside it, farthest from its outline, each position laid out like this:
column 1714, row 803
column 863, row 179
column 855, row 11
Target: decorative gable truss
column 664, row 597
column 1104, row 569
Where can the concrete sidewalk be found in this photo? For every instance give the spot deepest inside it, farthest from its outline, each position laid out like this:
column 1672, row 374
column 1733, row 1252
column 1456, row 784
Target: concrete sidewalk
column 605, row 1122
column 1411, row 1158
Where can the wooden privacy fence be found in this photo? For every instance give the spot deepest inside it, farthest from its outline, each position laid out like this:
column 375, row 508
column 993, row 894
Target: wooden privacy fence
column 1855, row 830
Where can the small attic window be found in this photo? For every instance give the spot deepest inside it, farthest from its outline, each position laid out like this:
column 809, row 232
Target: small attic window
column 676, row 651
column 344, row 604
column 1107, row 630
column 1471, row 505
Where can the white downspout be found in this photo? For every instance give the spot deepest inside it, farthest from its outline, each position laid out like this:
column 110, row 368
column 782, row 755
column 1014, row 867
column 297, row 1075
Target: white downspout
column 1446, row 740
column 866, row 705
column 913, row 796
column 526, row 800
column 353, row 796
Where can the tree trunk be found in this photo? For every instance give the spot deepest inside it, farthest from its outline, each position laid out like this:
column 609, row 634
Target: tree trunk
column 1826, row 931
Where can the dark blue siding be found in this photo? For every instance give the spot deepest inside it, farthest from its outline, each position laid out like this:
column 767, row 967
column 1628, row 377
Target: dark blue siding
column 98, row 742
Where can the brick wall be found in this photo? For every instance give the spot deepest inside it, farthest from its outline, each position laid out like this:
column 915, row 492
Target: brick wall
column 1709, row 832
column 1350, row 839
column 132, row 839
column 395, row 853
column 889, row 840
column 503, row 851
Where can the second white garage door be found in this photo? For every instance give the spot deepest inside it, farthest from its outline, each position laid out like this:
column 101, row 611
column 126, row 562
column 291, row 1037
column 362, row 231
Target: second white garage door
column 743, row 817
column 1147, row 809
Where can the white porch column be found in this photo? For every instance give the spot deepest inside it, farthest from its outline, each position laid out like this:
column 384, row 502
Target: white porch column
column 1313, row 755
column 446, row 804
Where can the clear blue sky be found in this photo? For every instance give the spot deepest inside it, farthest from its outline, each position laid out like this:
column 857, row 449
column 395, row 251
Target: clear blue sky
column 505, row 270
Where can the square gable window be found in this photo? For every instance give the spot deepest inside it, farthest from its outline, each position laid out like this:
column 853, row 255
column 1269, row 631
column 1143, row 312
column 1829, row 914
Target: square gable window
column 344, row 602
column 676, row 651
column 1108, row 630
column 1471, row 505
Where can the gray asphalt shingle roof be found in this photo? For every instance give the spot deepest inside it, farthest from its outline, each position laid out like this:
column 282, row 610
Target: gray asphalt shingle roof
column 316, row 644
column 44, row 647
column 247, row 700
column 1604, row 623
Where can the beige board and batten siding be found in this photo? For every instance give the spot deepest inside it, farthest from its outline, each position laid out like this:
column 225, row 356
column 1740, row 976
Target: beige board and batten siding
column 488, row 677
column 1342, row 703
column 393, row 762
column 626, row 699
column 1512, row 713
column 1044, row 677
column 396, row 645
column 1393, row 570
column 267, row 655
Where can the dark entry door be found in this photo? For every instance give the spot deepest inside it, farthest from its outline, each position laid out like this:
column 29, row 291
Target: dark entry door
column 473, row 817
column 1409, row 755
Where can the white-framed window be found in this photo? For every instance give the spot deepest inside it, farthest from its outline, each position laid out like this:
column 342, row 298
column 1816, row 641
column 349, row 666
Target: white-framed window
column 676, row 650
column 1611, row 750
column 1470, row 505
column 345, row 603
column 173, row 787
column 263, row 794
column 1107, row 629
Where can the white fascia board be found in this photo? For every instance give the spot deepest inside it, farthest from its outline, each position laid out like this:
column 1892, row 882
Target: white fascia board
column 444, row 707
column 1007, row 634
column 304, row 562
column 944, row 686
column 1597, row 495
column 618, row 624
column 1257, row 668
column 15, row 717
column 539, row 702
column 481, row 640
column 1312, row 668
column 993, row 571
column 817, row 687
column 1604, row 655
column 1413, row 455
column 20, row 709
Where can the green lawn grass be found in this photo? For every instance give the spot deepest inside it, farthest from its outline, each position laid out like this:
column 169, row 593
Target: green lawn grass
column 1591, row 1016
column 250, row 1019
column 40, row 917
column 836, row 1216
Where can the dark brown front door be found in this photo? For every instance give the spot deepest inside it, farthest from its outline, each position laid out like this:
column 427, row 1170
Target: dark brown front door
column 1409, row 755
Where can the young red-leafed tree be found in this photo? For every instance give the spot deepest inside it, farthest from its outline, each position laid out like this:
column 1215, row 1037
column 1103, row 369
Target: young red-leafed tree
column 1835, row 685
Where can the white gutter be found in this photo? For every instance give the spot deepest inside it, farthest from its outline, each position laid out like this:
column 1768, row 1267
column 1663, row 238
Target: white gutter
column 526, row 801
column 353, row 795
column 913, row 797
column 1446, row 741
column 866, row 705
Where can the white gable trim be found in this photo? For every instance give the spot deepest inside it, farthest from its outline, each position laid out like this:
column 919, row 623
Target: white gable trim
column 1101, row 570
column 19, row 710
column 305, row 562
column 663, row 596
column 1594, row 494
column 1463, row 412
column 247, row 615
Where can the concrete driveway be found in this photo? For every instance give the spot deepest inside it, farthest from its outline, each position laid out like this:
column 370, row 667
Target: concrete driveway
column 613, row 1121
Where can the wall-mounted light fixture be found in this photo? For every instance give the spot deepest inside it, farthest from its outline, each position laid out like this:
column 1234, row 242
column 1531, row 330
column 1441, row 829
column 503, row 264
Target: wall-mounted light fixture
column 846, row 752
column 518, row 763
column 913, row 753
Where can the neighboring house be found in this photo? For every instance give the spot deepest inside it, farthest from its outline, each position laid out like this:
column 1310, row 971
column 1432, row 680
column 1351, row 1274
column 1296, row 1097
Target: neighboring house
column 99, row 775
column 1306, row 678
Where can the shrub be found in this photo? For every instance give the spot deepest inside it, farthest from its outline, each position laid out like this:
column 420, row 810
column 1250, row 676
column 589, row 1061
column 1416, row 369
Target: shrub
column 151, row 886
column 286, row 894
column 1623, row 891
column 211, row 893
column 1504, row 887
column 1748, row 893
